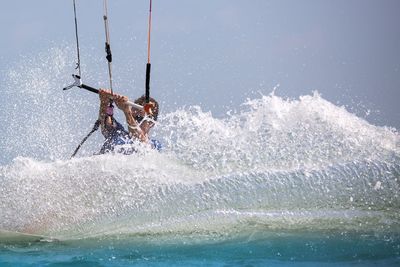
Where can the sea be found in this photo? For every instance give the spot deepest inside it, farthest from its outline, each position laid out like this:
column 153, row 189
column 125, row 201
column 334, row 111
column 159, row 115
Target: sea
column 275, row 182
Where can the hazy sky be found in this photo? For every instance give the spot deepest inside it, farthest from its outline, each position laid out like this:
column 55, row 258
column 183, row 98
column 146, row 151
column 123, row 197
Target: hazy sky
column 217, row 53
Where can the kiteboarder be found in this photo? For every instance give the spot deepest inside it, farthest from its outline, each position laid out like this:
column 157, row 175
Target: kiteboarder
column 139, row 123
column 140, row 115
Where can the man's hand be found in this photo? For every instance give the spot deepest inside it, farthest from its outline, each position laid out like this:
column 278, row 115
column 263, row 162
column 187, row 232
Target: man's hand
column 105, row 96
column 148, row 108
column 122, row 102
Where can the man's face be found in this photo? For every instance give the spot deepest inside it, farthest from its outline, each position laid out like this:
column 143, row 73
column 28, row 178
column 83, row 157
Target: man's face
column 139, row 115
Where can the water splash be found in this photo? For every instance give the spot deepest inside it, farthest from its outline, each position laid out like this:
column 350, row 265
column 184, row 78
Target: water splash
column 275, row 163
column 275, row 133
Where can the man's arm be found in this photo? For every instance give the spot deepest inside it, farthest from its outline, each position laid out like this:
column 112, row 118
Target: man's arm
column 133, row 126
column 104, row 103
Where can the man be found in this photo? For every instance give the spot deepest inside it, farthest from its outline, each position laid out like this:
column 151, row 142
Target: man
column 139, row 123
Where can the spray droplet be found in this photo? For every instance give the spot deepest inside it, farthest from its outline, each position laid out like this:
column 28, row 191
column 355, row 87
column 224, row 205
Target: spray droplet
column 377, row 185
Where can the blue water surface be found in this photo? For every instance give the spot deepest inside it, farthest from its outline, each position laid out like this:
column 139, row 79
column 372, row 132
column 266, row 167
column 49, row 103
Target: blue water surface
column 258, row 249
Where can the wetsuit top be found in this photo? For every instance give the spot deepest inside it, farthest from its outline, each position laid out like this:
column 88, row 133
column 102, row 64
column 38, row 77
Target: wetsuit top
column 118, row 140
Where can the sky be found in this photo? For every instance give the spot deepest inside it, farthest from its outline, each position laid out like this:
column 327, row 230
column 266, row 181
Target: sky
column 218, row 53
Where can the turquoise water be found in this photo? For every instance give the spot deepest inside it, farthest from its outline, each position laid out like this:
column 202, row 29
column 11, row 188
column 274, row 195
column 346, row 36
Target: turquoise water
column 257, row 249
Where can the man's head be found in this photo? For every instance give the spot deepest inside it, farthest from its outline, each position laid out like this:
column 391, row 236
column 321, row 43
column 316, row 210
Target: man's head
column 154, row 110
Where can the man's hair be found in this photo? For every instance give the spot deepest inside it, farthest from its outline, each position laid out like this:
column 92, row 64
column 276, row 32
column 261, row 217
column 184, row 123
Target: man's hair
column 142, row 100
